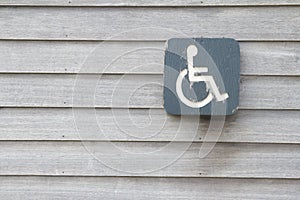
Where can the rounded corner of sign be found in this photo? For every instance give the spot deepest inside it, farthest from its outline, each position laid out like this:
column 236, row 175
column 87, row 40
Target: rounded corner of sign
column 234, row 111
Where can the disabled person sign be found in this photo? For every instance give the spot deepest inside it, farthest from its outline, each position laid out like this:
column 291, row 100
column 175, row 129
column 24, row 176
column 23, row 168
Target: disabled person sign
column 201, row 76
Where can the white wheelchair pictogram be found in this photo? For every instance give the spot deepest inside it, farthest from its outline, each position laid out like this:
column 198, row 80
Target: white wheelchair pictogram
column 195, row 75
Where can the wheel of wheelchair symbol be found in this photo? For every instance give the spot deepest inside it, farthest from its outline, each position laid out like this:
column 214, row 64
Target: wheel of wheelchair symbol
column 185, row 100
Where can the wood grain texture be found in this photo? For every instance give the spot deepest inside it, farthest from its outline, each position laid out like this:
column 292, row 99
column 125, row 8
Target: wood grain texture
column 241, row 23
column 146, row 188
column 226, row 160
column 131, row 91
column 42, row 157
column 140, row 124
column 257, row 58
column 148, row 2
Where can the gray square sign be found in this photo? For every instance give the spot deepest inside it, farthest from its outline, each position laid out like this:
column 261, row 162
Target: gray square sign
column 201, row 76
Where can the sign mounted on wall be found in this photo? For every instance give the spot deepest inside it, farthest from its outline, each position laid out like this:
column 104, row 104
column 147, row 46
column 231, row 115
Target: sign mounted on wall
column 201, row 76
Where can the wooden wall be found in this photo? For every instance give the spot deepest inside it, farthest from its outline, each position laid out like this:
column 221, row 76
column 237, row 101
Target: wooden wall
column 43, row 44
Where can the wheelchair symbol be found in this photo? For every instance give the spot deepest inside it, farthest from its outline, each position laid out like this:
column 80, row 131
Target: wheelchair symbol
column 195, row 75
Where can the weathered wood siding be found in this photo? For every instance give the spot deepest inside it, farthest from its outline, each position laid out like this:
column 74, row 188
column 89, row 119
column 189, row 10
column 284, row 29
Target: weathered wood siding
column 43, row 44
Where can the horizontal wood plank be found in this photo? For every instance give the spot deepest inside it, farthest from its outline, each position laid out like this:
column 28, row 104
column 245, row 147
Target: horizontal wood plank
column 257, row 58
column 146, row 188
column 131, row 91
column 149, row 159
column 140, row 125
column 147, row 2
column 98, row 23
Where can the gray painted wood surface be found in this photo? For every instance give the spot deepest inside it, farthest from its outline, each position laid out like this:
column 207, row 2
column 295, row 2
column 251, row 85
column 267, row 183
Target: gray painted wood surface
column 257, row 58
column 259, row 147
column 58, row 124
column 241, row 23
column 149, row 2
column 226, row 160
column 136, row 91
column 146, row 188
